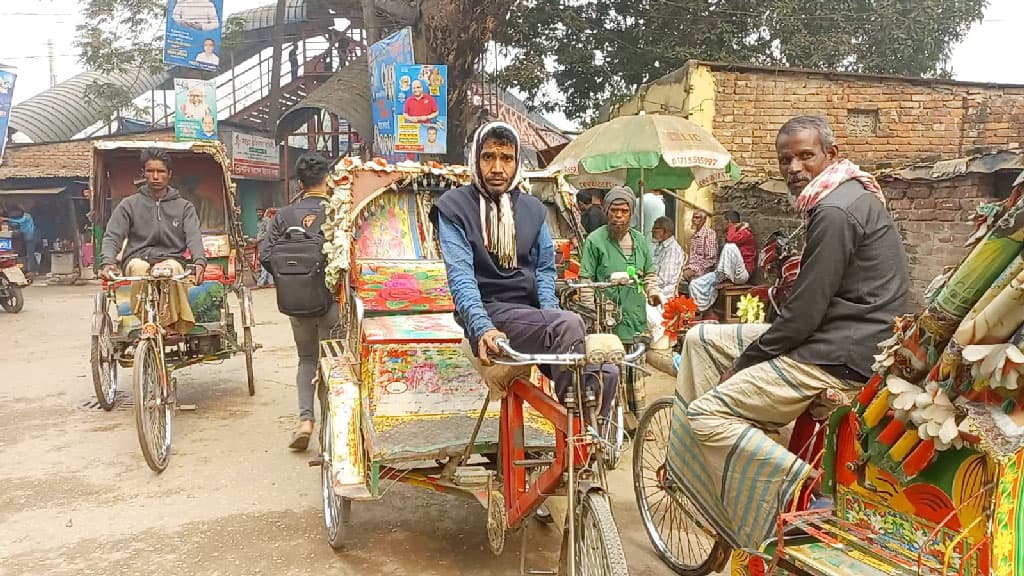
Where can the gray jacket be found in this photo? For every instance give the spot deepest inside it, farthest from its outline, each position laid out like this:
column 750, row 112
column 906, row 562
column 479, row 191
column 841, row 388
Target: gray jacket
column 852, row 284
column 156, row 229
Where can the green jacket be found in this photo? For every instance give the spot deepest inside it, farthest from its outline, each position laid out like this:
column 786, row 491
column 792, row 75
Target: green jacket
column 601, row 257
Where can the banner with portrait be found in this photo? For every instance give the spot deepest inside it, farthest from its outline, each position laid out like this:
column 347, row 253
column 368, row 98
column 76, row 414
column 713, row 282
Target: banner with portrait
column 7, row 78
column 195, row 109
column 421, row 109
column 193, row 35
column 384, row 56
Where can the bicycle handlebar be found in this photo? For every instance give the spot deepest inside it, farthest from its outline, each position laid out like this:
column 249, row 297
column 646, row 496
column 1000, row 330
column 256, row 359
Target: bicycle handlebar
column 567, row 359
column 584, row 284
column 189, row 271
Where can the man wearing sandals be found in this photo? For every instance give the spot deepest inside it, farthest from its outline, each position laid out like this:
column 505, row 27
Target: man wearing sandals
column 156, row 227
column 738, row 382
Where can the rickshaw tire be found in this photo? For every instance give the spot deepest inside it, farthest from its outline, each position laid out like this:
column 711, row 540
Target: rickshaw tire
column 337, row 539
column 147, row 358
column 595, row 502
column 719, row 551
column 612, row 456
column 16, row 302
column 106, row 398
column 248, row 349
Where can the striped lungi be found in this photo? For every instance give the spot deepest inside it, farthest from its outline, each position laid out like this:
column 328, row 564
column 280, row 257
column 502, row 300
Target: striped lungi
column 720, row 452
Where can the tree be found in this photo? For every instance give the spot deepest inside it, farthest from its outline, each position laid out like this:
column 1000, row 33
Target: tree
column 598, row 51
column 120, row 38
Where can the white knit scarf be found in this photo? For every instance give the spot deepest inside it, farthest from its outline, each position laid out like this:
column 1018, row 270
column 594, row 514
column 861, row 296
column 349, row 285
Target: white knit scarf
column 497, row 219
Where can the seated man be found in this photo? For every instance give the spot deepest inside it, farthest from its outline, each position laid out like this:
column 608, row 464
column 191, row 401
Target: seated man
column 668, row 265
column 735, row 265
column 157, row 226
column 703, row 247
column 500, row 261
column 738, row 381
column 616, row 247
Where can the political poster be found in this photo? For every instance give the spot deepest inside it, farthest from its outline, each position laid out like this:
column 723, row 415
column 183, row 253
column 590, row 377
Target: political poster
column 193, row 35
column 384, row 56
column 195, row 109
column 421, row 108
column 7, row 79
column 254, row 157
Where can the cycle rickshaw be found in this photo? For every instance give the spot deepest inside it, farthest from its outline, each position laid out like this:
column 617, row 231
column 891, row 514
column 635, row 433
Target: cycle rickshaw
column 925, row 464
column 119, row 339
column 402, row 400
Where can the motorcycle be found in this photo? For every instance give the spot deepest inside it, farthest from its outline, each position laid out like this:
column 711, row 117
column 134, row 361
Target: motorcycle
column 11, row 281
column 779, row 262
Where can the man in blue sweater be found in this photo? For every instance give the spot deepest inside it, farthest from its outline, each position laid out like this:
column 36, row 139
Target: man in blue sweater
column 501, row 263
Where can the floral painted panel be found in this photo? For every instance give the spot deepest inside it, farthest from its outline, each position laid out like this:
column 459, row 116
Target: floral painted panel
column 411, row 328
column 400, row 287
column 421, row 379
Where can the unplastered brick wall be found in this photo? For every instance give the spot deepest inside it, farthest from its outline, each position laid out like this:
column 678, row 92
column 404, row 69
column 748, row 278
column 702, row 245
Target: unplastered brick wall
column 877, row 120
column 934, row 218
column 71, row 159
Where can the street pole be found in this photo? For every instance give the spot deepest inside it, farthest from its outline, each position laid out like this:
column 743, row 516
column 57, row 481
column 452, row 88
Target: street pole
column 275, row 68
column 370, row 22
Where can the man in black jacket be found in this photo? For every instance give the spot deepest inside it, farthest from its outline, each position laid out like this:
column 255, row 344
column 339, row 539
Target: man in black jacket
column 736, row 382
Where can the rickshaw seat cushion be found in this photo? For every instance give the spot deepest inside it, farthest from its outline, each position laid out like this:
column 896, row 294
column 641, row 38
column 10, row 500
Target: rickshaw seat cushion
column 497, row 376
column 205, row 299
column 604, row 349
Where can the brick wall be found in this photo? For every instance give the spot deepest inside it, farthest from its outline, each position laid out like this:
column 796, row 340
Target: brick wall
column 916, row 119
column 934, row 219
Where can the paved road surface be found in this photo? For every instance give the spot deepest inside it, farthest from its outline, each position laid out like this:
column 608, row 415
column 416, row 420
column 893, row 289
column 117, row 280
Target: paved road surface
column 77, row 498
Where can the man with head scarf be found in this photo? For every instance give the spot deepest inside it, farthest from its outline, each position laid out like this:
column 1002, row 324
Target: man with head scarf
column 500, row 262
column 617, row 247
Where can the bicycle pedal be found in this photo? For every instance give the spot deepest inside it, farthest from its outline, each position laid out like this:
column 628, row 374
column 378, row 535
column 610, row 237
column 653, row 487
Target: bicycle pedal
column 471, row 475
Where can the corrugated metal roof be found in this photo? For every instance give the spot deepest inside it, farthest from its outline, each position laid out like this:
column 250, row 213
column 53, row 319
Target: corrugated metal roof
column 346, row 94
column 61, row 112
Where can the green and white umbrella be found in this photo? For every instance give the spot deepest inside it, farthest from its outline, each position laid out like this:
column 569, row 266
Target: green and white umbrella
column 644, row 152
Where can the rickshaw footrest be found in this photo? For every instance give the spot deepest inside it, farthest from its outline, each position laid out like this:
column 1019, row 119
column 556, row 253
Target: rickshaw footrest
column 530, row 463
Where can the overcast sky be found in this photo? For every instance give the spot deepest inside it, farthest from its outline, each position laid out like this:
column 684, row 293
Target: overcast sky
column 989, row 54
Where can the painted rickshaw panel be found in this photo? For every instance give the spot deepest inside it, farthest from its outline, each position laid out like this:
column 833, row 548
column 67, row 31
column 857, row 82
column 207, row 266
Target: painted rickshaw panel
column 418, row 396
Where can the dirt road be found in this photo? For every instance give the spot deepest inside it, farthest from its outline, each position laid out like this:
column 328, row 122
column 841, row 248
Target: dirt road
column 77, row 498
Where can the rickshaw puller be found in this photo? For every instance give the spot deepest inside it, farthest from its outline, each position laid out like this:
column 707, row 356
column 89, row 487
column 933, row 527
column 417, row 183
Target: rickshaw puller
column 159, row 226
column 500, row 262
column 737, row 381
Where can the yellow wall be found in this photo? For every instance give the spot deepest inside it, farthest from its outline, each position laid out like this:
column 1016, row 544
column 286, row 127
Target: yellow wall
column 691, row 96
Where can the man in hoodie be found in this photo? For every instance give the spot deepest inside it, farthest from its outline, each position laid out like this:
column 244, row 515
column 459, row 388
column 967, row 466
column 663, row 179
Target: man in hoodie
column 157, row 226
column 500, row 261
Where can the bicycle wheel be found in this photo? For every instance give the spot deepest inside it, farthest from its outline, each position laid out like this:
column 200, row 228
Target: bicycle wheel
column 598, row 546
column 152, row 406
column 614, row 435
column 103, row 360
column 337, row 509
column 247, row 343
column 679, row 533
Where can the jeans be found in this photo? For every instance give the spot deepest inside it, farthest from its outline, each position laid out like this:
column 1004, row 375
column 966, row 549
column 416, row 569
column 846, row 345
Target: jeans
column 265, row 278
column 30, row 254
column 308, row 332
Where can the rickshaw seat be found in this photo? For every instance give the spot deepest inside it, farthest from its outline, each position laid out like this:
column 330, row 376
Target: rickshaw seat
column 204, row 299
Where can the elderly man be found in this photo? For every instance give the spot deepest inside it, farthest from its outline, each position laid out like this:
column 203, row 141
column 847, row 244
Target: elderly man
column 738, row 382
column 617, row 247
column 500, row 262
column 668, row 265
column 703, row 247
column 735, row 264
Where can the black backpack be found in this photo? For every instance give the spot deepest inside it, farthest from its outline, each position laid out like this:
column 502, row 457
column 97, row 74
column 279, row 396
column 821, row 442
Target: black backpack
column 298, row 265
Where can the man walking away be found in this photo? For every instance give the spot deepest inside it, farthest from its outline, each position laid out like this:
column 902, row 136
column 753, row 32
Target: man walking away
column 292, row 252
column 591, row 213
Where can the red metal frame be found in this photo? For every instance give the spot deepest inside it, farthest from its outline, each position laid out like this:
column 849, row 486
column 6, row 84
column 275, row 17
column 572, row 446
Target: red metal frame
column 521, row 501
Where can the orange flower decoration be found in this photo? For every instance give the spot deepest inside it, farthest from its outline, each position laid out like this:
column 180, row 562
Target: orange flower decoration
column 679, row 314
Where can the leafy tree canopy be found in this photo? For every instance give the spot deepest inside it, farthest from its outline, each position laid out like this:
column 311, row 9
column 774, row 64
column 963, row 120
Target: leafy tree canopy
column 595, row 51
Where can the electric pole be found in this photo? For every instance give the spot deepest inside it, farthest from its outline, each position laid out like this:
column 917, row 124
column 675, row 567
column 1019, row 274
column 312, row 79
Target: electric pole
column 370, row 22
column 53, row 63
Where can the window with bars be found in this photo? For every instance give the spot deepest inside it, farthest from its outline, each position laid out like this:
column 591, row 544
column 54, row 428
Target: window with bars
column 862, row 123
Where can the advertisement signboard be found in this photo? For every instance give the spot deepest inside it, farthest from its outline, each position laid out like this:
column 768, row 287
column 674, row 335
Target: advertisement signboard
column 195, row 109
column 254, row 157
column 384, row 56
column 421, row 109
column 193, row 35
column 7, row 78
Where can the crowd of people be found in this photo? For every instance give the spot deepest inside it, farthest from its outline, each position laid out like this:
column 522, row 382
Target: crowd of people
column 698, row 272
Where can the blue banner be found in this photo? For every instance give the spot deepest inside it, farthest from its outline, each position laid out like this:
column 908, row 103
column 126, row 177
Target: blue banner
column 7, row 79
column 421, row 107
column 384, row 56
column 195, row 109
column 193, row 36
